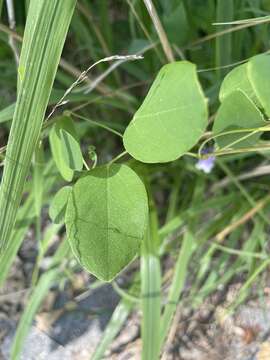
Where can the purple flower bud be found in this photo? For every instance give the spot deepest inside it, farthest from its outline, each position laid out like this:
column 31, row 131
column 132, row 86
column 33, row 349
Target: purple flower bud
column 206, row 165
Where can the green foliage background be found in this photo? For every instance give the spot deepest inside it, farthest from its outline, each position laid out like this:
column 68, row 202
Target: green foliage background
column 213, row 227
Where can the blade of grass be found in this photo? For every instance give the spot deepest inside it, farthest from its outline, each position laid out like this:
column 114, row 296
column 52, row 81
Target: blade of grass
column 26, row 217
column 7, row 113
column 117, row 321
column 225, row 10
column 242, row 263
column 39, row 292
column 49, row 234
column 7, row 257
column 249, row 215
column 243, row 292
column 12, row 26
column 38, row 183
column 115, row 324
column 86, row 11
column 40, row 57
column 243, row 190
column 174, row 197
column 227, row 31
column 144, row 29
column 34, row 302
column 151, row 289
column 160, row 30
column 178, row 282
column 1, row 7
column 27, row 4
column 98, row 124
column 107, row 27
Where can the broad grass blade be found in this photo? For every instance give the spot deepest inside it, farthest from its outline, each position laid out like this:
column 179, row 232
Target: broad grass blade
column 34, row 302
column 42, row 47
column 180, row 273
column 151, row 290
column 25, row 218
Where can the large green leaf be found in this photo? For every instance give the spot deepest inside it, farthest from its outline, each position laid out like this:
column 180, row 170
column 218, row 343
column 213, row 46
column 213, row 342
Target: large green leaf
column 58, row 206
column 237, row 112
column 172, row 117
column 237, row 79
column 71, row 151
column 259, row 75
column 66, row 124
column 106, row 218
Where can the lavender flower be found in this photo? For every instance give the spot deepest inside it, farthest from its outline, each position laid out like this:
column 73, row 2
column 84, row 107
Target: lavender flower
column 206, row 165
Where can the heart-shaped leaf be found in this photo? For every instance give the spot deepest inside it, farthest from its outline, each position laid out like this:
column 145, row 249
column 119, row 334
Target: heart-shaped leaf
column 237, row 112
column 172, row 117
column 106, row 218
column 238, row 79
column 259, row 75
column 64, row 122
column 58, row 206
column 71, row 151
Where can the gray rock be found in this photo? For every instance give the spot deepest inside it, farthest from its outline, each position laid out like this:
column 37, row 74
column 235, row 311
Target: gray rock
column 74, row 335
